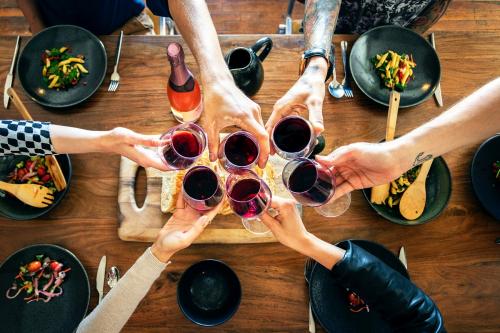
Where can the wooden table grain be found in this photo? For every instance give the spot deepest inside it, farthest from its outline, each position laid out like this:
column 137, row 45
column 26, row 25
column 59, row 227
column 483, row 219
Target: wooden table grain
column 453, row 258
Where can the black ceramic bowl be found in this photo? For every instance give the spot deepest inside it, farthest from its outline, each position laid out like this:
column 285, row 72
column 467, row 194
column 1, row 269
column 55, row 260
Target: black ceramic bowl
column 329, row 300
column 80, row 41
column 400, row 40
column 438, row 190
column 11, row 207
column 209, row 293
column 61, row 314
column 483, row 179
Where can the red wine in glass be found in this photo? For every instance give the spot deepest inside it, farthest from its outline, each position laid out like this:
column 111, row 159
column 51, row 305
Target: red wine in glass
column 202, row 188
column 249, row 196
column 309, row 182
column 183, row 90
column 293, row 137
column 238, row 150
column 184, row 145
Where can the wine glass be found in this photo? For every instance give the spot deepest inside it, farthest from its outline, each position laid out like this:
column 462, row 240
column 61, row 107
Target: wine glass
column 202, row 188
column 184, row 144
column 238, row 150
column 293, row 137
column 313, row 185
column 249, row 197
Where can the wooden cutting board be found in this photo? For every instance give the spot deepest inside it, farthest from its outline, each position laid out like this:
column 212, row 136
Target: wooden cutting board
column 143, row 224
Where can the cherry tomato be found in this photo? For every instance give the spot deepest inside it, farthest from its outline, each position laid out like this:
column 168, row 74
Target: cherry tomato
column 34, row 266
column 56, row 266
column 20, row 173
column 41, row 171
column 46, row 178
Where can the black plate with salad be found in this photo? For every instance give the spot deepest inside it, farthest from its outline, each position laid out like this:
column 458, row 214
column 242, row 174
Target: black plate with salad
column 63, row 303
column 25, row 169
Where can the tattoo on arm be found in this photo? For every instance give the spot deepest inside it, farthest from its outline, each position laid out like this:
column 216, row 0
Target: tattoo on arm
column 320, row 19
column 421, row 159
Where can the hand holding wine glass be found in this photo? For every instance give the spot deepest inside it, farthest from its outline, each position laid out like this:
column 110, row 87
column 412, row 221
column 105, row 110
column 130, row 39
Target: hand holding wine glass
column 225, row 105
column 185, row 225
column 362, row 165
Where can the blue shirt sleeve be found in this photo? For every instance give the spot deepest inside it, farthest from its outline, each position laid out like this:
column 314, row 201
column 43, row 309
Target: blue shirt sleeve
column 159, row 7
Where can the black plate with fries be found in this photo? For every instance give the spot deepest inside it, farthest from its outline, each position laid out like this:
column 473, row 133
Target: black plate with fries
column 61, row 314
column 438, row 191
column 80, row 41
column 401, row 40
column 11, row 207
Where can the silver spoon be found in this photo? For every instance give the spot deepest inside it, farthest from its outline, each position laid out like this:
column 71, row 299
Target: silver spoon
column 113, row 276
column 335, row 88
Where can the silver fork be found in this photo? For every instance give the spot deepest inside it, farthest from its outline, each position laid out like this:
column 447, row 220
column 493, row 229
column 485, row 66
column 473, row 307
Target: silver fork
column 115, row 77
column 307, row 272
column 345, row 82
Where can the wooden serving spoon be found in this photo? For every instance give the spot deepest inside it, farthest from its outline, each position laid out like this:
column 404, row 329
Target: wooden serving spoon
column 53, row 166
column 31, row 194
column 380, row 193
column 412, row 202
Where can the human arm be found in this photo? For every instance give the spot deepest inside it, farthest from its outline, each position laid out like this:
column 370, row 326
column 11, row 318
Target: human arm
column 402, row 304
column 22, row 137
column 224, row 104
column 179, row 232
column 362, row 165
column 308, row 92
column 32, row 15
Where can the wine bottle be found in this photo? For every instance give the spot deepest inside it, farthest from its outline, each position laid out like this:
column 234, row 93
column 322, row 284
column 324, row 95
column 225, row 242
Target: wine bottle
column 183, row 90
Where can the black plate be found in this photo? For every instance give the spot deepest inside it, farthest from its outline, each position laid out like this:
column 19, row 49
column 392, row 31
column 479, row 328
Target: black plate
column 400, row 40
column 61, row 314
column 483, row 180
column 209, row 293
column 438, row 192
column 11, row 207
column 81, row 41
column 329, row 300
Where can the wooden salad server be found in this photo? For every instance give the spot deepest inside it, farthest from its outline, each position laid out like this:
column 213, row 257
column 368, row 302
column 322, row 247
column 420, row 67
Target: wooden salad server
column 31, row 194
column 412, row 202
column 53, row 166
column 380, row 193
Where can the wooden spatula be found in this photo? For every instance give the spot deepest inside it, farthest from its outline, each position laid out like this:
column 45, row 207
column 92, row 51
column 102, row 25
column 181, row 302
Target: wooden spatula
column 412, row 202
column 381, row 192
column 53, row 166
column 31, row 194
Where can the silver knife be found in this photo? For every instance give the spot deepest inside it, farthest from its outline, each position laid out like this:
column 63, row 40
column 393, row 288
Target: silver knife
column 437, row 92
column 10, row 75
column 99, row 282
column 402, row 256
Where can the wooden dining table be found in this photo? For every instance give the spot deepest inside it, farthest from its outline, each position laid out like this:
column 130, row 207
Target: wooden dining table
column 453, row 258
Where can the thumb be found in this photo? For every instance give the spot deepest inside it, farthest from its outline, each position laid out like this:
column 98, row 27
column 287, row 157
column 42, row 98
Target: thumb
column 316, row 116
column 213, row 144
column 336, row 158
column 270, row 222
column 196, row 229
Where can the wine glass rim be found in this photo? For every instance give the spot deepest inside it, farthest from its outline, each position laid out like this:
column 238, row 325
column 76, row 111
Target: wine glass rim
column 198, row 167
column 252, row 138
column 306, row 160
column 311, row 131
column 262, row 184
column 185, row 127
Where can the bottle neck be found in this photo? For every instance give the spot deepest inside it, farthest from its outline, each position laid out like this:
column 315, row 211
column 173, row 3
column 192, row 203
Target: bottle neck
column 179, row 74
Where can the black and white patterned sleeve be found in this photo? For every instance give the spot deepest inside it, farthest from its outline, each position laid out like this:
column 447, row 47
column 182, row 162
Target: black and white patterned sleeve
column 22, row 137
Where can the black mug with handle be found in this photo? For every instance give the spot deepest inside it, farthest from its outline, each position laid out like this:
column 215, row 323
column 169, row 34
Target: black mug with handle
column 245, row 65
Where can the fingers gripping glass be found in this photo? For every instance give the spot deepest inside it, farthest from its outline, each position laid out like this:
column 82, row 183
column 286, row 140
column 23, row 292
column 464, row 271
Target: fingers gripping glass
column 184, row 144
column 313, row 185
column 249, row 197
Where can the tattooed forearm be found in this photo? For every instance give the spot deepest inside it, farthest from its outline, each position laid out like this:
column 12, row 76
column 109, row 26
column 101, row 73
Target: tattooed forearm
column 320, row 19
column 421, row 158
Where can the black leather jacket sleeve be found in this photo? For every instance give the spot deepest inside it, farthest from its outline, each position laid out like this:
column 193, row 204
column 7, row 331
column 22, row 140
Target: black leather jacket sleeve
column 402, row 304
